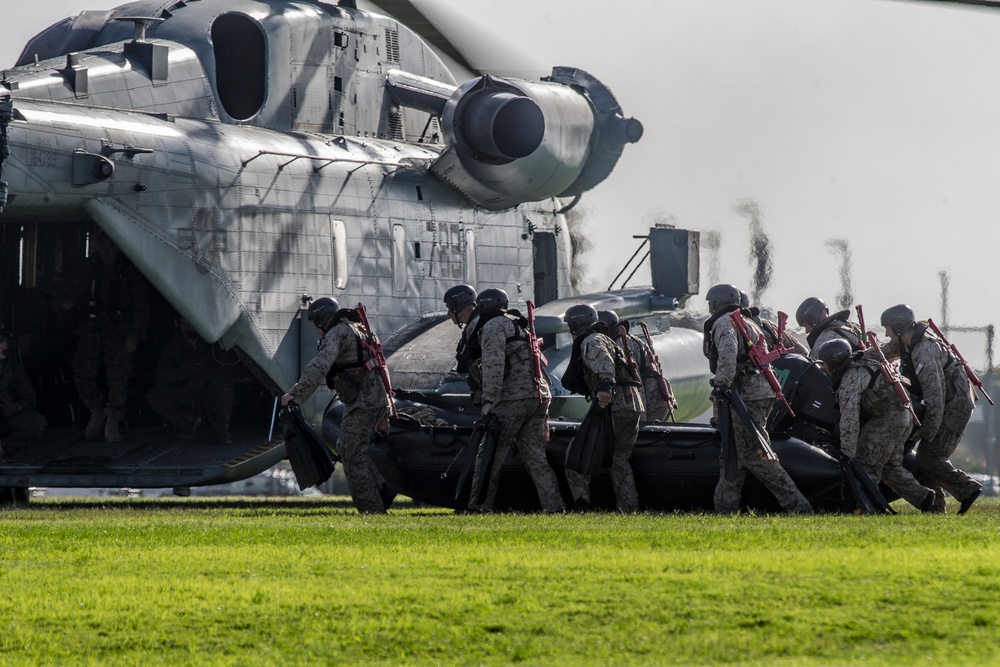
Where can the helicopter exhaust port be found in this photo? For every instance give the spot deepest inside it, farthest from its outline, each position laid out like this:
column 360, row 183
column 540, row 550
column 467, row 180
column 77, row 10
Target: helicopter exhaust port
column 502, row 125
column 512, row 141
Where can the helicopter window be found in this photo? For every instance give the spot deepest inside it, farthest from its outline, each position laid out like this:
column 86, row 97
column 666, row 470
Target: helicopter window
column 470, row 257
column 338, row 84
column 420, row 194
column 416, row 250
column 398, row 258
column 340, row 39
column 339, row 235
column 240, row 64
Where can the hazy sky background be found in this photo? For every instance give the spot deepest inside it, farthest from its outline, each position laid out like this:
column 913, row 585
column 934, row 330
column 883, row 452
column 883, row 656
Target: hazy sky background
column 872, row 121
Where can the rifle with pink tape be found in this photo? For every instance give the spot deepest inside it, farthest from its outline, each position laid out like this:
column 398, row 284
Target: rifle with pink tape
column 376, row 360
column 973, row 378
column 761, row 358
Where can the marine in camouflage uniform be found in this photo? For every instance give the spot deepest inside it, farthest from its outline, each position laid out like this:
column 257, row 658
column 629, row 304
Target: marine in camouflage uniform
column 340, row 361
column 814, row 316
column 19, row 423
column 658, row 404
column 509, row 392
column 939, row 380
column 116, row 320
column 607, row 371
column 874, row 426
column 194, row 379
column 731, row 367
column 460, row 300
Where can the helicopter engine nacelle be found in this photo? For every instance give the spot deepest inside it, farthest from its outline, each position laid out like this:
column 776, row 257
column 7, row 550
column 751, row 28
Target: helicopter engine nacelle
column 514, row 141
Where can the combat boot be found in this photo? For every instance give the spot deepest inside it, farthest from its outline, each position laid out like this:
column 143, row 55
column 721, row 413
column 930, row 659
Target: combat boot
column 96, row 425
column 111, row 433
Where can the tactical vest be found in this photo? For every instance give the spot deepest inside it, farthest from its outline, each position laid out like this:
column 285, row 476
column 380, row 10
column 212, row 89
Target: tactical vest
column 838, row 324
column 876, row 394
column 743, row 365
column 348, row 370
column 909, row 371
column 575, row 377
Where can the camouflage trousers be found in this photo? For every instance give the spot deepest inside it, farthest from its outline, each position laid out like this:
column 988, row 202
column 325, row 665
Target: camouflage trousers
column 657, row 405
column 103, row 343
column 880, row 453
column 20, row 428
column 933, row 466
column 363, row 478
column 750, row 459
column 523, row 422
column 626, row 496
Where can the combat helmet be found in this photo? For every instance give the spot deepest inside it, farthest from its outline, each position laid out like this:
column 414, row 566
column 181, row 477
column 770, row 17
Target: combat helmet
column 898, row 318
column 321, row 310
column 835, row 353
column 458, row 297
column 810, row 311
column 721, row 296
column 610, row 318
column 744, row 299
column 491, row 300
column 580, row 317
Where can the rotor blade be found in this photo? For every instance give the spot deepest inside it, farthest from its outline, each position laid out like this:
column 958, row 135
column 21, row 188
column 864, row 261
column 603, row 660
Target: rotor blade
column 459, row 40
column 978, row 3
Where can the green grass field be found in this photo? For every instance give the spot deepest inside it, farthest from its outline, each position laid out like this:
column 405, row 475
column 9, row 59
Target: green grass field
column 310, row 582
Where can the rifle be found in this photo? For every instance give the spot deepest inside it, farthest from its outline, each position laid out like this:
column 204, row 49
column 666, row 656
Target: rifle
column 376, row 358
column 632, row 367
column 890, row 373
column 661, row 380
column 968, row 369
column 761, row 358
column 537, row 358
column 863, row 340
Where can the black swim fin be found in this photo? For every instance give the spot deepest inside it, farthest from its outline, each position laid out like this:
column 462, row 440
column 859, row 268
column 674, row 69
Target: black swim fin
column 593, row 441
column 309, row 456
column 865, row 491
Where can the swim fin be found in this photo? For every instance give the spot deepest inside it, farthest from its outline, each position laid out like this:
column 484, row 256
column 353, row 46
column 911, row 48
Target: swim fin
column 593, row 442
column 865, row 491
column 309, row 456
column 725, row 426
column 491, row 435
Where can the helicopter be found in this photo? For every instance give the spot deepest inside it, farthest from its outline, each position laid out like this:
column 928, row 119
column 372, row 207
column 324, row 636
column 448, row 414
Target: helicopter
column 247, row 155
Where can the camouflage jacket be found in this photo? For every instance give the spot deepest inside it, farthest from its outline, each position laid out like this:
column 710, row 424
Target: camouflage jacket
column 598, row 355
column 862, row 392
column 835, row 327
column 935, row 376
column 507, row 363
column 355, row 385
column 733, row 366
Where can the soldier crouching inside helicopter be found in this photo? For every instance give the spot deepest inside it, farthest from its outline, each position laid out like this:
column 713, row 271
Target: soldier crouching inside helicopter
column 741, row 385
column 342, row 362
column 606, row 376
column 19, row 423
column 194, row 380
column 518, row 400
column 115, row 321
column 874, row 426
